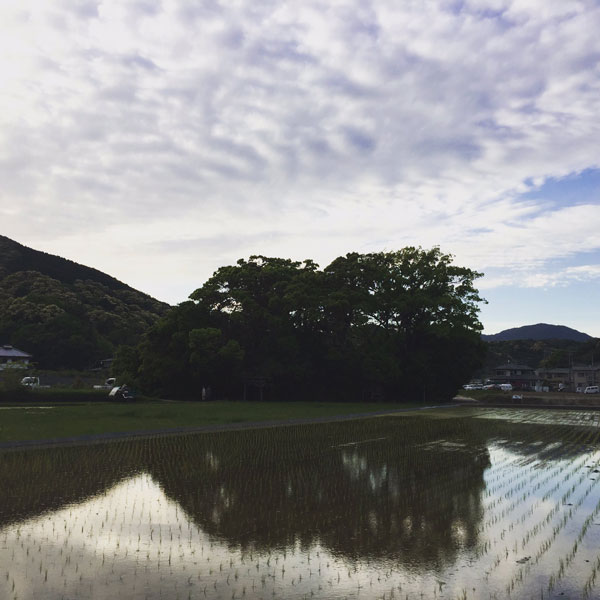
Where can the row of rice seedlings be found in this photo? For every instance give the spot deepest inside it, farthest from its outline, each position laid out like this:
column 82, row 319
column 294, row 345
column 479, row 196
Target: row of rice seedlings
column 163, row 551
column 538, row 526
column 558, row 527
column 518, row 461
column 564, row 562
column 590, row 582
column 495, row 517
column 487, row 544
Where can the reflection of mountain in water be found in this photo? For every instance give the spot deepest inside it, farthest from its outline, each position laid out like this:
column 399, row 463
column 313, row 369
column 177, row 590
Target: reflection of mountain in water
column 406, row 488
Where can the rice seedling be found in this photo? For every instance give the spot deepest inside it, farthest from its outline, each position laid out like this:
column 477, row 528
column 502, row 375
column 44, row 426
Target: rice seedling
column 483, row 504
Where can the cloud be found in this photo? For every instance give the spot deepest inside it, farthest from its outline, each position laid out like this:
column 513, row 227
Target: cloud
column 528, row 278
column 337, row 125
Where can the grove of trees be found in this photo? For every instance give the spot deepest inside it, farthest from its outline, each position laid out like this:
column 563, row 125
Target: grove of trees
column 390, row 326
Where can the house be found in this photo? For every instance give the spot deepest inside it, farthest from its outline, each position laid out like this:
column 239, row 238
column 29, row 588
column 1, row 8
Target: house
column 13, row 358
column 584, row 375
column 521, row 377
column 574, row 378
column 555, row 378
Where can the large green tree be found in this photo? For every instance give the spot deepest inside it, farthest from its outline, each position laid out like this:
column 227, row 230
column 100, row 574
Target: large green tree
column 401, row 311
column 394, row 325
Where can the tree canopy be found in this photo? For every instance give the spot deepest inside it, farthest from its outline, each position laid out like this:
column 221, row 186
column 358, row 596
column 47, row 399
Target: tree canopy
column 386, row 325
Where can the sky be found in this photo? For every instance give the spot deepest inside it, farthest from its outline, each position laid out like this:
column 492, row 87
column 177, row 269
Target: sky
column 160, row 140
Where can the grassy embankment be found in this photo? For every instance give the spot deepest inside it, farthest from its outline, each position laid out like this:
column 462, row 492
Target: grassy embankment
column 42, row 420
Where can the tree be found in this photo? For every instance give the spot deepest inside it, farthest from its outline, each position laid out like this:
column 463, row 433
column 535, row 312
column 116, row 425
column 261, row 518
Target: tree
column 408, row 305
column 395, row 325
column 263, row 304
column 214, row 361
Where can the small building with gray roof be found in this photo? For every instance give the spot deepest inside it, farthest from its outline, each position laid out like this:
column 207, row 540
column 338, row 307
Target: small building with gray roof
column 11, row 357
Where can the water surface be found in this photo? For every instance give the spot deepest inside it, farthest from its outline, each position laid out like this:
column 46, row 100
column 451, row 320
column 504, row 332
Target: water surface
column 461, row 503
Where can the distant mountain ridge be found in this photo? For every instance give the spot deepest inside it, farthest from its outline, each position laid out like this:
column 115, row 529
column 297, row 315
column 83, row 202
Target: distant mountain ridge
column 540, row 331
column 16, row 257
column 66, row 314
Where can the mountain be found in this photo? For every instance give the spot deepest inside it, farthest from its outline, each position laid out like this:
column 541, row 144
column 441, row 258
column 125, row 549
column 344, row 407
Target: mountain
column 541, row 331
column 66, row 314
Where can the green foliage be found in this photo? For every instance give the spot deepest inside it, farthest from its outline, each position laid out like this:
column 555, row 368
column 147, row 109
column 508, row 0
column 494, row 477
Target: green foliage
column 64, row 314
column 125, row 364
column 213, row 359
column 10, row 385
column 387, row 325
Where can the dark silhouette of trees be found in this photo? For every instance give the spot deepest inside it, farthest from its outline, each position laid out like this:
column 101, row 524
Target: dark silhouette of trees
column 387, row 325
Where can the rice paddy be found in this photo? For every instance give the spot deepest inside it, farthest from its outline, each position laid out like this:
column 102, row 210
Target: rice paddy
column 459, row 503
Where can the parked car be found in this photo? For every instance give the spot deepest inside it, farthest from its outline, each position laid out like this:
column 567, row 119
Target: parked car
column 109, row 384
column 592, row 389
column 473, row 386
column 506, row 387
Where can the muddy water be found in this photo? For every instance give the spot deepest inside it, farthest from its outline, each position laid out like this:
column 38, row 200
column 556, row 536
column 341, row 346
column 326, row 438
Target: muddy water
column 449, row 504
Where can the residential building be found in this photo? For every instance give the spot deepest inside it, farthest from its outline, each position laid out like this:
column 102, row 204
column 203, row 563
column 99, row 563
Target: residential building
column 12, row 357
column 584, row 375
column 555, row 378
column 577, row 377
column 521, row 377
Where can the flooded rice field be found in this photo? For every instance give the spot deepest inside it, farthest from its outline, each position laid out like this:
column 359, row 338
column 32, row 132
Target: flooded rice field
column 458, row 503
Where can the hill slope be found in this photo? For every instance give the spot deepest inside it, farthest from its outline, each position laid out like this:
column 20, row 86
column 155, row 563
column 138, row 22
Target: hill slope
column 541, row 331
column 65, row 314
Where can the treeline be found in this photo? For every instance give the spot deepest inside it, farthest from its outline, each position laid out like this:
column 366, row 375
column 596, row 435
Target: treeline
column 381, row 326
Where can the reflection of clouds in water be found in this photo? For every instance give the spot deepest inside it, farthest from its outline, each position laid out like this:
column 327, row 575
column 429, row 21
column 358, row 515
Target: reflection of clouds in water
column 459, row 532
column 212, row 461
column 134, row 542
column 96, row 548
column 316, row 519
column 357, row 466
column 355, row 463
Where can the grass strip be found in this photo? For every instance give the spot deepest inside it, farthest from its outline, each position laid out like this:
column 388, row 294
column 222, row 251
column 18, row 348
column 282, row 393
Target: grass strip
column 43, row 421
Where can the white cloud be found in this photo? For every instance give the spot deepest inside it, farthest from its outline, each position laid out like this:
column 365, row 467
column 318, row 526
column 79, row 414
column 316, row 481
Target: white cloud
column 544, row 279
column 190, row 135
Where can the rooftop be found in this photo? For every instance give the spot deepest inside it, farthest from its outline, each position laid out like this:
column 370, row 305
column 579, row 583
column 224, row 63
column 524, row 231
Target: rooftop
column 7, row 351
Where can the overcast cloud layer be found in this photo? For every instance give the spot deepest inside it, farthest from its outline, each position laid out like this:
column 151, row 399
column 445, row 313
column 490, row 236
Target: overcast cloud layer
column 158, row 141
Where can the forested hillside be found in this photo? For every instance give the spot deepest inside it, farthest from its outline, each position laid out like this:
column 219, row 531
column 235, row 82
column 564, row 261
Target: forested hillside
column 542, row 353
column 65, row 314
column 540, row 331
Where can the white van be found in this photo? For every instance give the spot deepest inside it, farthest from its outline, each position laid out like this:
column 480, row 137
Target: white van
column 506, row 387
column 592, row 389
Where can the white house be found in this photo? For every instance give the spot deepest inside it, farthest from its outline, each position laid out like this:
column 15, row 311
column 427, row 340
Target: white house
column 13, row 358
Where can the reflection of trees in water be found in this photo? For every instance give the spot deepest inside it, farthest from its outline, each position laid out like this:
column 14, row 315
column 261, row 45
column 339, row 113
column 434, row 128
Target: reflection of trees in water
column 363, row 489
column 545, row 442
column 368, row 489
column 406, row 488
